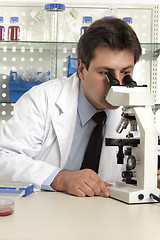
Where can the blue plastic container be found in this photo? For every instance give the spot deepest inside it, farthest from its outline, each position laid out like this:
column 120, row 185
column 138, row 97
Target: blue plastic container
column 18, row 88
column 72, row 66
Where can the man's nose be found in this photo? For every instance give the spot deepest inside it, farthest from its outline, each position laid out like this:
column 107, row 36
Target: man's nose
column 119, row 77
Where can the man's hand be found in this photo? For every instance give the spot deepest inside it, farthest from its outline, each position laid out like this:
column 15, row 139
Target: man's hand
column 80, row 183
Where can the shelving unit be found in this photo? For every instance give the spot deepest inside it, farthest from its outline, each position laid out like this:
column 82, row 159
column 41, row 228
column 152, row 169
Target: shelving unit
column 44, row 56
column 37, row 54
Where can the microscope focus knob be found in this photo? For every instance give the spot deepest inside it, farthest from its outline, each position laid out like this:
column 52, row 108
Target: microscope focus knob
column 128, row 174
column 131, row 162
column 140, row 196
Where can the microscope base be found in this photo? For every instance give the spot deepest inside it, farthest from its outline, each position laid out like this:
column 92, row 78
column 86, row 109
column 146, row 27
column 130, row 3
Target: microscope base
column 132, row 194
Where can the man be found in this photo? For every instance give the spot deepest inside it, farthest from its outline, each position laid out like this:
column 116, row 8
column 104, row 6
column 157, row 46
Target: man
column 46, row 139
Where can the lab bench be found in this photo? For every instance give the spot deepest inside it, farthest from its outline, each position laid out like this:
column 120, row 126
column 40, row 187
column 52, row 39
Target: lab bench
column 57, row 216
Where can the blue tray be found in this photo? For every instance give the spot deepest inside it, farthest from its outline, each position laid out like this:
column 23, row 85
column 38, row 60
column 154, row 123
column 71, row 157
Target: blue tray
column 18, row 88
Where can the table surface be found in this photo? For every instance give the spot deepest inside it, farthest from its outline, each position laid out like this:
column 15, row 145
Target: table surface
column 53, row 215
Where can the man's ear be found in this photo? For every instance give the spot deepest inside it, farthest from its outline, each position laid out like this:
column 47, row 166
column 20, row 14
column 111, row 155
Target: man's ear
column 81, row 69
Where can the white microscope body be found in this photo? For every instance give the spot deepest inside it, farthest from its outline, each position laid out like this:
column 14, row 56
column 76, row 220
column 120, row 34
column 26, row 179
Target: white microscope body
column 135, row 101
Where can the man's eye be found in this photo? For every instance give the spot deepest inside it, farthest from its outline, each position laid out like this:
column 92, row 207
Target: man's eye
column 125, row 73
column 103, row 73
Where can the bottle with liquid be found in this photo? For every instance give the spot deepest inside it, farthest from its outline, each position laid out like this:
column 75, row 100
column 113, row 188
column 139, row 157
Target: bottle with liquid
column 86, row 21
column 2, row 29
column 14, row 29
column 54, row 11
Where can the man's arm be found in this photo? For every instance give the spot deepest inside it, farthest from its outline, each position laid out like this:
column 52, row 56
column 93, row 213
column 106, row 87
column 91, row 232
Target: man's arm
column 20, row 141
column 80, row 183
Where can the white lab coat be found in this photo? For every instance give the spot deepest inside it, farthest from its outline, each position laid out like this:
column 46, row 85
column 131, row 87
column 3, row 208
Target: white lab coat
column 38, row 138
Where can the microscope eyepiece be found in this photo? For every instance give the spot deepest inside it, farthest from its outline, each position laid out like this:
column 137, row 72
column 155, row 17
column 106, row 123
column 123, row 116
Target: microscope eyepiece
column 112, row 81
column 128, row 81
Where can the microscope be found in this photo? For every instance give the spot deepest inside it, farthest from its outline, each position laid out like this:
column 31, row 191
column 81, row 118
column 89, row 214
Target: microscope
column 139, row 155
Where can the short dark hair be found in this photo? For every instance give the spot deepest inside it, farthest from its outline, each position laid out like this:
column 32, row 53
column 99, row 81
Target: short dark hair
column 113, row 33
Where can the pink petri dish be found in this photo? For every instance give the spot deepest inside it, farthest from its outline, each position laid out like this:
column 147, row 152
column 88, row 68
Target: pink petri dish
column 6, row 207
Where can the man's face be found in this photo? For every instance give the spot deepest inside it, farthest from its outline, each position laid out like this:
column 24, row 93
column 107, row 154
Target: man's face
column 93, row 82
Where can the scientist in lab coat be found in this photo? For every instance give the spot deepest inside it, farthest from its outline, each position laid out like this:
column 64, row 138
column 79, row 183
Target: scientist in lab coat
column 45, row 141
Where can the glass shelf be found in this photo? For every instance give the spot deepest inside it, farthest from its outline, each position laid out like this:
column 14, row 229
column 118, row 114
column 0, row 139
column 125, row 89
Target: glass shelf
column 146, row 47
column 59, row 46
column 42, row 54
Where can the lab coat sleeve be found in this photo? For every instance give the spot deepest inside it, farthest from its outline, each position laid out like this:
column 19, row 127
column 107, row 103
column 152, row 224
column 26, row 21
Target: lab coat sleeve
column 21, row 140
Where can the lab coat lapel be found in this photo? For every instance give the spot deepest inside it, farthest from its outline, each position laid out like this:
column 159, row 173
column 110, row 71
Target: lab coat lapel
column 64, row 128
column 64, row 124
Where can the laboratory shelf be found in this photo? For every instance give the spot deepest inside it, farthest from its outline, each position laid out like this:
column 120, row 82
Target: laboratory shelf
column 34, row 54
column 45, row 56
column 47, row 45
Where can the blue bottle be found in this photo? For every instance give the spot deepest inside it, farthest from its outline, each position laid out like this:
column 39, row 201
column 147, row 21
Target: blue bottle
column 86, row 21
